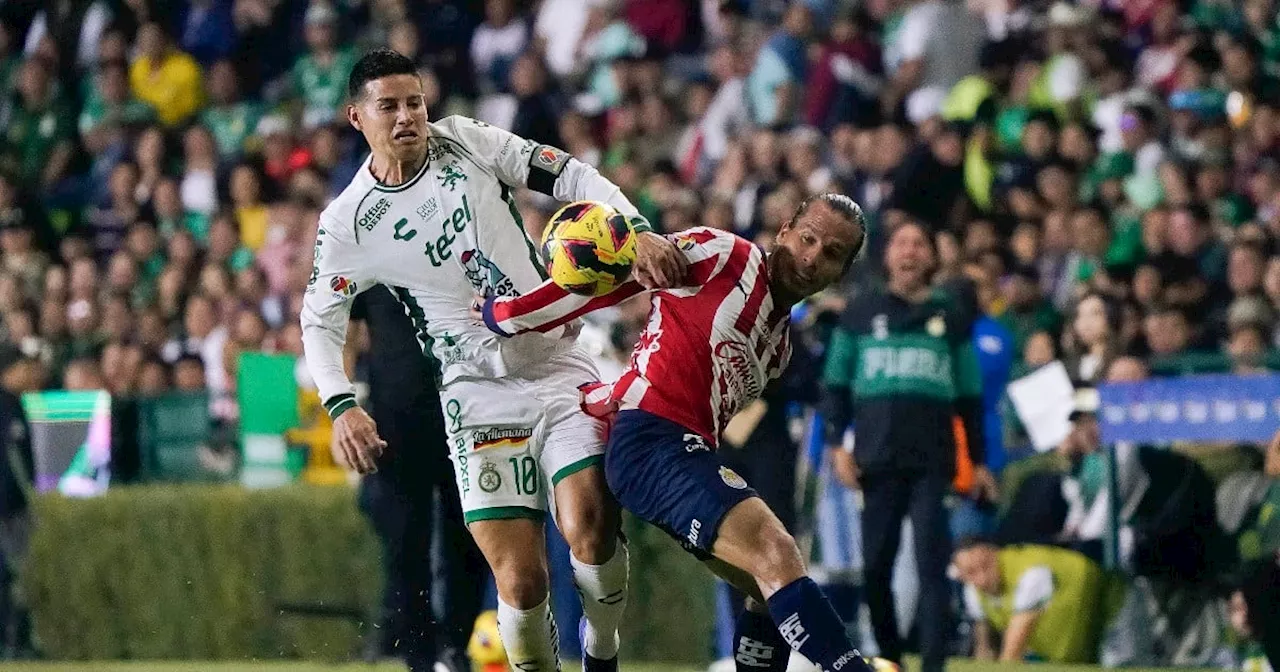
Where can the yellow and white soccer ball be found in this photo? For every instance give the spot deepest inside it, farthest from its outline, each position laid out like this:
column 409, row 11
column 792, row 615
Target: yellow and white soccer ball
column 589, row 248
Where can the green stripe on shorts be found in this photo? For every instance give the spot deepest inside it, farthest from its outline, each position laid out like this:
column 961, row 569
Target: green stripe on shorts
column 573, row 468
column 503, row 513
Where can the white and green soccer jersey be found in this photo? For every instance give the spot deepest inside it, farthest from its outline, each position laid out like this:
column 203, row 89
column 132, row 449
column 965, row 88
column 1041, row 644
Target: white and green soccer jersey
column 448, row 234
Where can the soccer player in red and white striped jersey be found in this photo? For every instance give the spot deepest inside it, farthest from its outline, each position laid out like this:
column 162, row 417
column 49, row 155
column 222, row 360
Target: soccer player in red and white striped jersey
column 708, row 351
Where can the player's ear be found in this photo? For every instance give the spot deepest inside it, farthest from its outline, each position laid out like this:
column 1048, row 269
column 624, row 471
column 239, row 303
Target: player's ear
column 353, row 117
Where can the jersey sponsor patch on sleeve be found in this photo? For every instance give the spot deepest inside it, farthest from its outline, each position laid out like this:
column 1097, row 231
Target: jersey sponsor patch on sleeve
column 545, row 165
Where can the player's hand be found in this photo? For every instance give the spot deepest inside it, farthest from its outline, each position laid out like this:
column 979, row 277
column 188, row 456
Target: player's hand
column 659, row 265
column 355, row 435
column 985, row 487
column 845, row 467
column 477, row 309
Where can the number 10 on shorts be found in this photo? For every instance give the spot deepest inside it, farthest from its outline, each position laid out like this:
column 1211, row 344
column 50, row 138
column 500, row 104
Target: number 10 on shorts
column 524, row 475
column 525, row 470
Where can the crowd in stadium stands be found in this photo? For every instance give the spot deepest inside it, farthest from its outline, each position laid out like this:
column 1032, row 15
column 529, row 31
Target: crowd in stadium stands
column 1104, row 173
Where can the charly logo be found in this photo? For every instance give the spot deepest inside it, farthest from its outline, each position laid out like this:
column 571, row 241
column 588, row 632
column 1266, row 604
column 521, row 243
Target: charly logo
column 694, row 443
column 374, row 214
column 399, row 231
column 490, row 480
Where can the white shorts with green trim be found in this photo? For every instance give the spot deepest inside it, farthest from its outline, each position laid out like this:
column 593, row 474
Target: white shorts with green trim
column 512, row 440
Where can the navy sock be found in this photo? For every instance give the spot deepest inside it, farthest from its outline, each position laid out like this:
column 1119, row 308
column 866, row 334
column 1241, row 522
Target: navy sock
column 757, row 644
column 808, row 622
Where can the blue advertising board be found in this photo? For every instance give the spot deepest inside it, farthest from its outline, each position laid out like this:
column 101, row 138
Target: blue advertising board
column 1191, row 408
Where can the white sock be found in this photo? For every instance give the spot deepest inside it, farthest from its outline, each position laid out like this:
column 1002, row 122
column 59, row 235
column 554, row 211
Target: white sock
column 603, row 589
column 529, row 637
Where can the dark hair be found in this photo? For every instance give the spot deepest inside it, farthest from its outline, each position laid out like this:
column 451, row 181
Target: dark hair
column 188, row 357
column 849, row 210
column 972, row 541
column 377, row 64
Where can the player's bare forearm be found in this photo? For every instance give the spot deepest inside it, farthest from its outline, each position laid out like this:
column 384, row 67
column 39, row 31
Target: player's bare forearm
column 1017, row 635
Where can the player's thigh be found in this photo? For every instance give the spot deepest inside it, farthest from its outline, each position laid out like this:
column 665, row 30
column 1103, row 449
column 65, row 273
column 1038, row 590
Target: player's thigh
column 671, row 478
column 752, row 538
column 492, row 431
column 738, row 578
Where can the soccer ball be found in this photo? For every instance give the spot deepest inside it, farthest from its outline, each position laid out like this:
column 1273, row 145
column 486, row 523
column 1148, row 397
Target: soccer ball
column 589, row 248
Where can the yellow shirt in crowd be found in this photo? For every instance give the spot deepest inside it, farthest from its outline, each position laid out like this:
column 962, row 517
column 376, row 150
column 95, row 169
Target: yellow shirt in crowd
column 174, row 88
column 253, row 226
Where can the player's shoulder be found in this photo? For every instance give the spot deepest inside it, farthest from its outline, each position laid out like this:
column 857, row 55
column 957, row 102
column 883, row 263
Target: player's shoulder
column 339, row 217
column 460, row 129
column 715, row 240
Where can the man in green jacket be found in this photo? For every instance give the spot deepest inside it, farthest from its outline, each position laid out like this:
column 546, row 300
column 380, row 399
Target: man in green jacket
column 900, row 368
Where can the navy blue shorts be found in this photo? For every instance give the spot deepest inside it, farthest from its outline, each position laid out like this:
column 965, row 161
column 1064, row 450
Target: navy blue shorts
column 671, row 478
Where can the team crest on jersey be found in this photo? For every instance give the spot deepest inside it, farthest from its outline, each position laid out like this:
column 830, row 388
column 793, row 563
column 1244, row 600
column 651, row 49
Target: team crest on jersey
column 450, row 175
column 880, row 327
column 732, row 479
column 936, row 326
column 489, row 479
column 485, row 276
column 342, row 287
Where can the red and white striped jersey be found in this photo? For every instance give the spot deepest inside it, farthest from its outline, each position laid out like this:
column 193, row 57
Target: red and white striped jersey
column 709, row 348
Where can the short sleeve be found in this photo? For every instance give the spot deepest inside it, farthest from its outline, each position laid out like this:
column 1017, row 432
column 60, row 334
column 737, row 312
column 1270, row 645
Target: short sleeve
column 1034, row 589
column 973, row 604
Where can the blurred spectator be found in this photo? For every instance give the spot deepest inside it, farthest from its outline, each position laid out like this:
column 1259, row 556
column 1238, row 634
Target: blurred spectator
column 109, row 114
column 231, row 119
column 39, row 133
column 937, row 45
column 320, row 76
column 75, row 27
column 497, row 43
column 165, row 78
column 207, row 31
column 1033, row 602
column 781, row 66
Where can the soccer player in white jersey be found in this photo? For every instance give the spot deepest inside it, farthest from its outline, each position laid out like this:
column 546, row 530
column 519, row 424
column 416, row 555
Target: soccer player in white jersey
column 430, row 215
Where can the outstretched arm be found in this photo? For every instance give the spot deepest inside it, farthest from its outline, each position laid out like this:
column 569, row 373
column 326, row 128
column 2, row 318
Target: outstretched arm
column 548, row 307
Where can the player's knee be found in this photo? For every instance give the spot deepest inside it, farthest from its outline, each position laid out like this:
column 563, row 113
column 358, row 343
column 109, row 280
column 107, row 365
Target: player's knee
column 521, row 584
column 591, row 535
column 779, row 560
